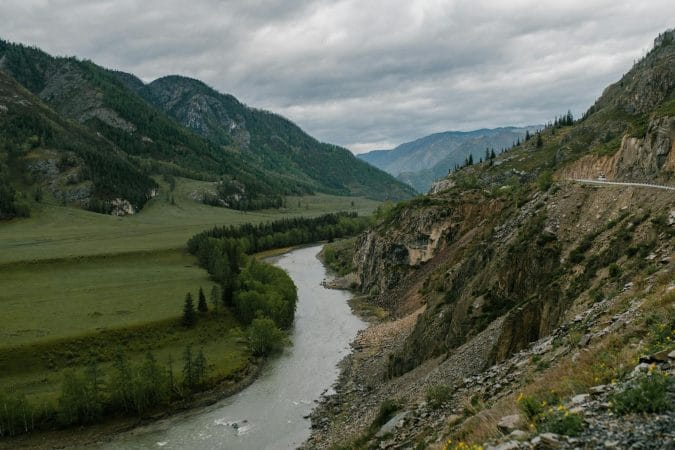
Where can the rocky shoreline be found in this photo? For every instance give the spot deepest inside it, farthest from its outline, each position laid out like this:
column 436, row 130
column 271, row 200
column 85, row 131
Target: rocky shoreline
column 346, row 413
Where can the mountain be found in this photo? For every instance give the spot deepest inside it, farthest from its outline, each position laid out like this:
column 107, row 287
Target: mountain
column 527, row 307
column 256, row 157
column 275, row 143
column 422, row 161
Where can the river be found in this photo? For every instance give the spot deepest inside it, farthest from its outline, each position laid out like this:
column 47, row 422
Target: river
column 269, row 413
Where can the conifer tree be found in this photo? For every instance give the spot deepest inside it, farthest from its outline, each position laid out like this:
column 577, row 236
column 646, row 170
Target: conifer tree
column 215, row 297
column 188, row 368
column 189, row 315
column 201, row 305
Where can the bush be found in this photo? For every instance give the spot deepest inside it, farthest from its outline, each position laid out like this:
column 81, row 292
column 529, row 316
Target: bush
column 648, row 393
column 614, row 270
column 265, row 337
column 437, row 395
column 530, row 406
column 561, row 421
column 544, row 180
column 15, row 414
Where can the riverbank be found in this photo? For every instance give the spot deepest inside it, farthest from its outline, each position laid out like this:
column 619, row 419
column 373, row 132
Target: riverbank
column 272, row 412
column 105, row 431
column 278, row 388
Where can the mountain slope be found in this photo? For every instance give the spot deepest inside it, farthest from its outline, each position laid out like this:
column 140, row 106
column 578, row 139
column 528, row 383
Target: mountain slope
column 511, row 285
column 424, row 160
column 273, row 141
column 116, row 106
column 37, row 145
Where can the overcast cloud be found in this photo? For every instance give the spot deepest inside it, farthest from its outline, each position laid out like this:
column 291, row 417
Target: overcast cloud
column 359, row 73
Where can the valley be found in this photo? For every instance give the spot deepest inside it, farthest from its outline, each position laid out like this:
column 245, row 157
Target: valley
column 181, row 270
column 79, row 286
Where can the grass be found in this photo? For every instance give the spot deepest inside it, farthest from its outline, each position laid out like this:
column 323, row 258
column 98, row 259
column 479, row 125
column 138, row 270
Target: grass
column 55, row 231
column 38, row 370
column 62, row 298
column 78, row 287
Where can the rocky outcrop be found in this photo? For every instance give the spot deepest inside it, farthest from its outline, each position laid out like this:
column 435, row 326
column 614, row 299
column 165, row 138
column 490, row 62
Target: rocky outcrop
column 67, row 91
column 121, row 207
column 647, row 159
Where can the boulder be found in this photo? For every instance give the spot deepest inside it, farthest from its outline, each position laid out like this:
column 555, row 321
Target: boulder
column 392, row 424
column 509, row 423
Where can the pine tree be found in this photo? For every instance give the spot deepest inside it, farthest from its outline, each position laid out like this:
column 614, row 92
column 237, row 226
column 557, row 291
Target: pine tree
column 189, row 315
column 201, row 305
column 540, row 142
column 492, row 154
column 470, row 161
column 215, row 297
column 199, row 368
column 188, row 368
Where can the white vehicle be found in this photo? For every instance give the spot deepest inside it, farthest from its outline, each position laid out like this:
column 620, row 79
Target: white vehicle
column 602, row 177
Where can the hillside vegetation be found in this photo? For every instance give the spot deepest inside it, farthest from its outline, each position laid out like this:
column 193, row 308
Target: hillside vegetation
column 95, row 137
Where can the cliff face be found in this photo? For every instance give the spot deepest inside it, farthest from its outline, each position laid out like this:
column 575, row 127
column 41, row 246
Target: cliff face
column 649, row 159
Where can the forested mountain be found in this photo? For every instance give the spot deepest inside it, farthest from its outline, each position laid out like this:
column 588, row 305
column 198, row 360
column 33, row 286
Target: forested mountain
column 423, row 161
column 273, row 142
column 257, row 156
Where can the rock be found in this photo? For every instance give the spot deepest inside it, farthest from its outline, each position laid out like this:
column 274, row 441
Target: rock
column 392, row 423
column 519, row 435
column 509, row 445
column 671, row 355
column 642, row 367
column 585, row 339
column 661, row 356
column 509, row 423
column 595, row 390
column 550, row 441
column 579, row 399
column 454, row 419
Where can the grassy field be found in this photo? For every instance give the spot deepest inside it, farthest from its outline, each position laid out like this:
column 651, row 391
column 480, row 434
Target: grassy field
column 60, row 232
column 65, row 298
column 77, row 287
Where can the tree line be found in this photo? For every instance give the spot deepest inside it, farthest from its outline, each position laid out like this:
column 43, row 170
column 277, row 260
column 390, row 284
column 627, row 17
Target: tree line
column 88, row 395
column 284, row 232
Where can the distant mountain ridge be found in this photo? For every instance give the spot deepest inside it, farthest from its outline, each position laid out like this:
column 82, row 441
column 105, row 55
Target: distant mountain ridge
column 424, row 160
column 177, row 126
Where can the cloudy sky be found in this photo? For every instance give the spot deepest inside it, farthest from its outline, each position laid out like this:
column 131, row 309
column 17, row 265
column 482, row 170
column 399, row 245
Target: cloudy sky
column 364, row 74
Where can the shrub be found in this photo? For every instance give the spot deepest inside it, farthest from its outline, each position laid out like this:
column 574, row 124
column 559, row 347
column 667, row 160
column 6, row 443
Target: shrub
column 544, row 180
column 437, row 395
column 614, row 270
column 648, row 393
column 265, row 337
column 530, row 406
column 561, row 421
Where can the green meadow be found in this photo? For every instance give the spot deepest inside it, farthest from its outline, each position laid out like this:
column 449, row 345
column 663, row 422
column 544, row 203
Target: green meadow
column 78, row 287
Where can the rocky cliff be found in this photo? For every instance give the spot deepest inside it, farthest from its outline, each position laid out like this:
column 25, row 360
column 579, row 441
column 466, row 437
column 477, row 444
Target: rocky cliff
column 512, row 277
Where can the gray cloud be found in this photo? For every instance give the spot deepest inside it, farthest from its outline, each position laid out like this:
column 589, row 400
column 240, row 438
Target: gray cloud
column 363, row 74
